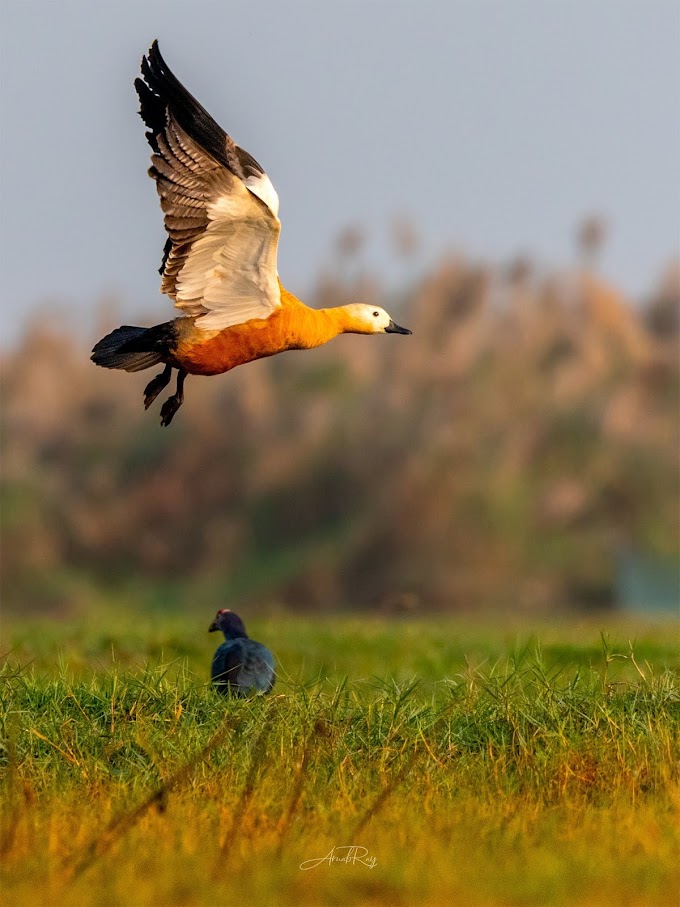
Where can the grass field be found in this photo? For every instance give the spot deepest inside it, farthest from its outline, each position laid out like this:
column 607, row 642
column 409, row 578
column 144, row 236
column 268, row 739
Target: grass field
column 470, row 763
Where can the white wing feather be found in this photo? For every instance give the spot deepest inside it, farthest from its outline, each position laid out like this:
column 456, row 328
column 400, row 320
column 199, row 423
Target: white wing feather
column 230, row 271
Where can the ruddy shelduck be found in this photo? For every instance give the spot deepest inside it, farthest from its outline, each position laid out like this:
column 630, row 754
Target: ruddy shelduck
column 219, row 262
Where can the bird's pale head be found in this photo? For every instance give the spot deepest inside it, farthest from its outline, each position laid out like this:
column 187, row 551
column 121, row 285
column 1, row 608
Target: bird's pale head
column 371, row 319
column 229, row 623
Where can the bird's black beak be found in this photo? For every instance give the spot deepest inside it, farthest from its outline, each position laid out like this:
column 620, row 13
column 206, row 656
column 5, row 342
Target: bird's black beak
column 212, row 627
column 393, row 328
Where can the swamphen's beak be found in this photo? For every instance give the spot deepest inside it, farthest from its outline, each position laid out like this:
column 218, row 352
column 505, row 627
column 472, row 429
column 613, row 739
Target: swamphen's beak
column 213, row 626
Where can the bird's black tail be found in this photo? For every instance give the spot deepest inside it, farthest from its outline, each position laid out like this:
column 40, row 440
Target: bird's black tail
column 134, row 349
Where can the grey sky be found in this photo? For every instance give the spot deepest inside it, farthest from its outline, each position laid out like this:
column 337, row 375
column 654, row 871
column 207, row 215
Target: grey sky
column 495, row 125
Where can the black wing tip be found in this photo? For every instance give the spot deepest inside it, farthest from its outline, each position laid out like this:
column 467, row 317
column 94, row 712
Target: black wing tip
column 158, row 76
column 151, row 61
column 153, row 55
column 152, row 90
column 155, row 75
column 162, row 94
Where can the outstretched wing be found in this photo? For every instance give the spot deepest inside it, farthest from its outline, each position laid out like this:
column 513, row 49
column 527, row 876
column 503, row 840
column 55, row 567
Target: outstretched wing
column 220, row 207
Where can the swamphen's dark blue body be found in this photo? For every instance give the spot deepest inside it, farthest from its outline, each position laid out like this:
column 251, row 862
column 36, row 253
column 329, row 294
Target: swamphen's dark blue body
column 240, row 666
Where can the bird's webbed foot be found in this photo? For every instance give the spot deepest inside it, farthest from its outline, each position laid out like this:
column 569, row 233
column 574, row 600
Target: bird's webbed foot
column 172, row 404
column 156, row 385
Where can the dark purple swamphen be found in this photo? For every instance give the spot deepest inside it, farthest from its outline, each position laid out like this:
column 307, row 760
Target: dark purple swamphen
column 240, row 666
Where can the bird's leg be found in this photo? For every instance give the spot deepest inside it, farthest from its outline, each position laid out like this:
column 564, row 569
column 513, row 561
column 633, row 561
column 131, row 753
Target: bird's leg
column 155, row 386
column 172, row 404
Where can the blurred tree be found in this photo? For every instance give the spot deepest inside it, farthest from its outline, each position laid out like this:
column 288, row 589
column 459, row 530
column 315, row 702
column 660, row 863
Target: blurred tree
column 405, row 239
column 490, row 460
column 662, row 311
column 349, row 244
column 590, row 239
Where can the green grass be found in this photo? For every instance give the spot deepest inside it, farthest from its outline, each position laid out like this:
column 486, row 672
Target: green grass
column 476, row 764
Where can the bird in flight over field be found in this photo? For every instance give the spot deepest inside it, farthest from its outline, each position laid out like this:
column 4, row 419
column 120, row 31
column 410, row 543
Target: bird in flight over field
column 219, row 262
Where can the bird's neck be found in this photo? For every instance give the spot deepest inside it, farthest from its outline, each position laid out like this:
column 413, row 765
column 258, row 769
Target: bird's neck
column 333, row 321
column 314, row 327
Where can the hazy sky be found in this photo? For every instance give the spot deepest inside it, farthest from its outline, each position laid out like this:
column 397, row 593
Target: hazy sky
column 495, row 125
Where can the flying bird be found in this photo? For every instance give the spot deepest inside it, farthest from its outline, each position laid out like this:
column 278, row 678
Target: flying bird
column 240, row 665
column 219, row 263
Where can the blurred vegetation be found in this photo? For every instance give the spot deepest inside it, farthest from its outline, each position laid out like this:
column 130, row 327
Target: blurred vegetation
column 510, row 452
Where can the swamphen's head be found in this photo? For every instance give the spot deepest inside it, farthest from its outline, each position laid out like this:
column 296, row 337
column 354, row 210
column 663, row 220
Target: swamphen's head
column 229, row 623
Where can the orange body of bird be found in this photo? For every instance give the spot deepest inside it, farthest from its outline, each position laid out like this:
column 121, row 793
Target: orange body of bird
column 294, row 326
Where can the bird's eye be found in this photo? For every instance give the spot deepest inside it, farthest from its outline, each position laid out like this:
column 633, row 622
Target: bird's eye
column 375, row 314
